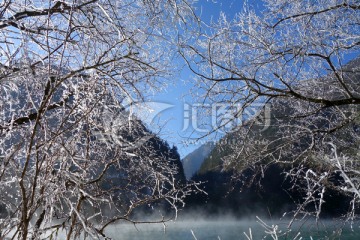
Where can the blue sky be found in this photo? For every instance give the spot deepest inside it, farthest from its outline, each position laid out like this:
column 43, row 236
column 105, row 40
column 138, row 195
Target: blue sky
column 170, row 122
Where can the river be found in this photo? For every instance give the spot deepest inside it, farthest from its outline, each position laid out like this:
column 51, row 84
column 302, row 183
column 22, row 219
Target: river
column 232, row 229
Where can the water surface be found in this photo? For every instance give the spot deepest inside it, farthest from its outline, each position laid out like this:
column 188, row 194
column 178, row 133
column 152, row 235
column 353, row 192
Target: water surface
column 231, row 229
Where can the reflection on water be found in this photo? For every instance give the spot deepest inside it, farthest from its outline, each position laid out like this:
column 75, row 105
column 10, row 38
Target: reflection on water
column 204, row 230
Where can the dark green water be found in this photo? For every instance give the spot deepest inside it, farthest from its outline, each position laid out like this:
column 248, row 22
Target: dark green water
column 230, row 229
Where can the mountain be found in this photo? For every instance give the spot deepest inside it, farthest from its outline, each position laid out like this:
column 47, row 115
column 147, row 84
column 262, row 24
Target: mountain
column 261, row 189
column 250, row 194
column 267, row 170
column 192, row 162
column 94, row 147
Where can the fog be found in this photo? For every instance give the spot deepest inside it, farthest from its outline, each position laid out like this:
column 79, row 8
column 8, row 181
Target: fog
column 194, row 226
column 197, row 225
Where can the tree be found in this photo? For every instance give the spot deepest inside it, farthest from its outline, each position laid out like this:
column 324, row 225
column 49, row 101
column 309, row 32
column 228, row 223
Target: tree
column 295, row 56
column 71, row 158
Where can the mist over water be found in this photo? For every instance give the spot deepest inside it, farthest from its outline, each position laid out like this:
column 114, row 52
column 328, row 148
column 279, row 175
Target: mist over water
column 227, row 227
column 199, row 227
